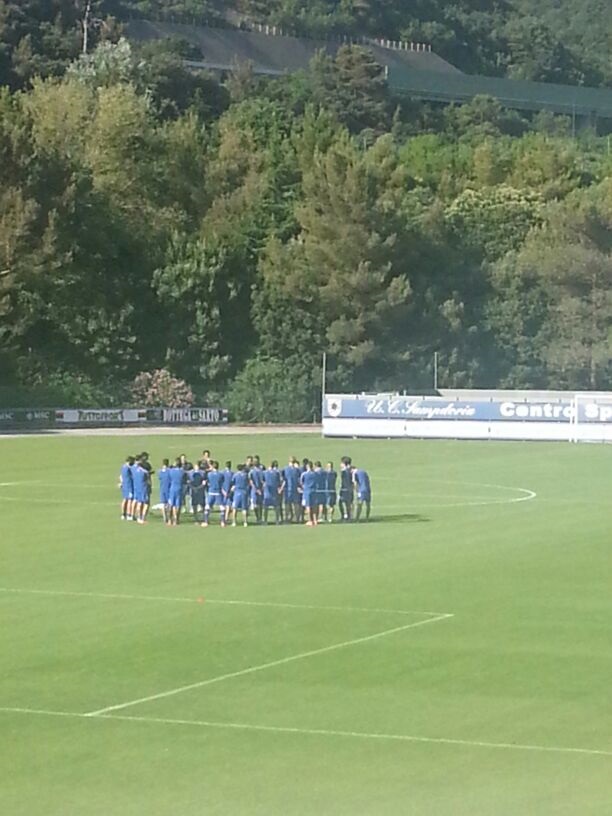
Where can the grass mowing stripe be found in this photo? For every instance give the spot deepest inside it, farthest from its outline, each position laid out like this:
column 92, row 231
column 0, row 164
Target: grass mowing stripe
column 528, row 662
column 320, row 732
column 261, row 667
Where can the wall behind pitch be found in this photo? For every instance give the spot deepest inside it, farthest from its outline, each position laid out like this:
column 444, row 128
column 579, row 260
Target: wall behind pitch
column 488, row 417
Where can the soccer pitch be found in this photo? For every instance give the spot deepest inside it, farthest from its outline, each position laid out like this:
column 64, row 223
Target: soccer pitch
column 452, row 657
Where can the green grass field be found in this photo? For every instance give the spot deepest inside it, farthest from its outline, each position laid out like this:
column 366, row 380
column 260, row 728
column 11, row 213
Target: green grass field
column 451, row 658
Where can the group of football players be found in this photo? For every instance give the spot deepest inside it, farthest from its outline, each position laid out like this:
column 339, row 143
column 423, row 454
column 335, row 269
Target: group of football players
column 299, row 493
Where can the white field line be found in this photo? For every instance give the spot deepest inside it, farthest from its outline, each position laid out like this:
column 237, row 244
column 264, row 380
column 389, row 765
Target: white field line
column 217, row 601
column 262, row 666
column 471, row 501
column 453, row 504
column 319, row 732
column 485, row 503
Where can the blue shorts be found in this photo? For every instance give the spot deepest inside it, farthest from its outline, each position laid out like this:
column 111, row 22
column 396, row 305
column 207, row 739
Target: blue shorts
column 240, row 501
column 127, row 493
column 319, row 497
column 214, row 500
column 346, row 496
column 330, row 499
column 292, row 497
column 140, row 496
column 175, row 498
column 164, row 496
column 309, row 500
column 271, row 500
column 364, row 496
column 256, row 499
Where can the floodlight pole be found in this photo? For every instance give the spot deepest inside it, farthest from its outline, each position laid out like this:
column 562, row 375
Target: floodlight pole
column 324, row 375
column 86, row 24
column 323, row 383
column 435, row 383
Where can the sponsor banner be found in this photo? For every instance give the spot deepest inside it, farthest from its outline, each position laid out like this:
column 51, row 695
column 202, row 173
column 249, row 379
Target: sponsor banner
column 434, row 408
column 195, row 416
column 33, row 417
column 126, row 416
column 595, row 412
column 45, row 418
column 100, row 416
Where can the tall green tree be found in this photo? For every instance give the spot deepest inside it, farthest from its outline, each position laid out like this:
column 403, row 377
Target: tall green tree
column 353, row 87
column 553, row 304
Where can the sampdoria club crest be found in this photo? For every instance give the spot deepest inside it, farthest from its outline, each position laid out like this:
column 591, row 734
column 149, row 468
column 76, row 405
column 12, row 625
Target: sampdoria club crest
column 334, row 407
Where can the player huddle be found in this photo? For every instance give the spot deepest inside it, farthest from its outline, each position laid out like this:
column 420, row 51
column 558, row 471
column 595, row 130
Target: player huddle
column 298, row 493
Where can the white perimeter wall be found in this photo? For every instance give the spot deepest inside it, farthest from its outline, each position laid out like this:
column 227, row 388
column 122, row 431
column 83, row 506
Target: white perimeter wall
column 465, row 429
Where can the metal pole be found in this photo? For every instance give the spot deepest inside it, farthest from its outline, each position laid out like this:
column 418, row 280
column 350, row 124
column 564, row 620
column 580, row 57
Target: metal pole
column 323, row 384
column 324, row 375
column 435, row 370
column 86, row 21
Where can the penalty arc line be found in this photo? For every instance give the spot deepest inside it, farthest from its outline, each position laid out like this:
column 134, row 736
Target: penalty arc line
column 261, row 667
column 472, row 501
column 215, row 601
column 318, row 732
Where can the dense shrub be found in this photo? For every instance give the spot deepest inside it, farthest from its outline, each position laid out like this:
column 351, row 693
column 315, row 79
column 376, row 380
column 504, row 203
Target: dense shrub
column 160, row 389
column 267, row 390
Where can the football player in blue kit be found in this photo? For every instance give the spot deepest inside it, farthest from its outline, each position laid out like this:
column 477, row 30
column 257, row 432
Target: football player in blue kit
column 144, row 463
column 364, row 492
column 308, row 480
column 141, row 494
column 240, row 495
column 330, row 491
column 214, row 493
column 272, row 488
column 303, row 492
column 320, row 488
column 228, row 475
column 126, row 485
column 291, row 479
column 302, row 470
column 256, row 485
column 164, row 489
column 178, row 481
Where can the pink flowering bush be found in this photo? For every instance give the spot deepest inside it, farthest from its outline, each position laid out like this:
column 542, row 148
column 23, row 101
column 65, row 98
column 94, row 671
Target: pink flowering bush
column 156, row 389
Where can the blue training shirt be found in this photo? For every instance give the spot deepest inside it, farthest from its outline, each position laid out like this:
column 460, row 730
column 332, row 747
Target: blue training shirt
column 321, row 481
column 256, row 477
column 228, row 475
column 309, row 481
column 126, row 476
column 363, row 481
column 215, row 482
column 177, row 478
column 241, row 481
column 140, row 477
column 272, row 481
column 292, row 479
column 164, row 479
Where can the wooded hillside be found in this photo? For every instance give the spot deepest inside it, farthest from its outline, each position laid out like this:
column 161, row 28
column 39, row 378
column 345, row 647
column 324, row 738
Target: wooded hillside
column 231, row 233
